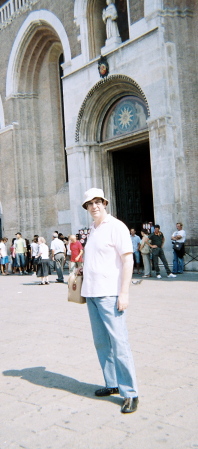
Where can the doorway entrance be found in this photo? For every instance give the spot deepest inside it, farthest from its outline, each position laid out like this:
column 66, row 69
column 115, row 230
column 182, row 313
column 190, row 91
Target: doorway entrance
column 133, row 185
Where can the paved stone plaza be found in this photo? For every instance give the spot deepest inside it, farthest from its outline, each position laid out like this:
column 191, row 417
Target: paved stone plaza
column 49, row 369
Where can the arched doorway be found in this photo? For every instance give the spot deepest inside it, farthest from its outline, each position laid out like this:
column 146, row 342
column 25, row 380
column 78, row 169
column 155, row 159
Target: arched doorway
column 125, row 119
column 112, row 133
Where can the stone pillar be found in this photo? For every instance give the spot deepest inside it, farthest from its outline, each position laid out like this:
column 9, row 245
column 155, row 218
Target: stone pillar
column 79, row 181
column 85, row 171
column 168, row 196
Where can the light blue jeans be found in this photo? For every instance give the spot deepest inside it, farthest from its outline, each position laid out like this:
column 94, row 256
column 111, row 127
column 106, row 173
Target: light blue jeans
column 112, row 346
column 20, row 260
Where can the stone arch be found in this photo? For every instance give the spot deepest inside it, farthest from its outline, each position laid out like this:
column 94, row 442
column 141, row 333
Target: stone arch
column 2, row 120
column 100, row 98
column 34, row 95
column 46, row 28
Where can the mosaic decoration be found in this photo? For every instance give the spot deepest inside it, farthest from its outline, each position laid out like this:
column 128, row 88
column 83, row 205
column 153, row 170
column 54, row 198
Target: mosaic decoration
column 126, row 116
column 101, row 85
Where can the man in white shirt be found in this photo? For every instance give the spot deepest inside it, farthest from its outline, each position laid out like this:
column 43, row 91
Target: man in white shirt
column 178, row 255
column 107, row 275
column 58, row 254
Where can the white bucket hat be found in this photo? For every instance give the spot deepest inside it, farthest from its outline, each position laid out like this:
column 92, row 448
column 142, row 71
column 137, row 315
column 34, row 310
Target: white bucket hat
column 91, row 194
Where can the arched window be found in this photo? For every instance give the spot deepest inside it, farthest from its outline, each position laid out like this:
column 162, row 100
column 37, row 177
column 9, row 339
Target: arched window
column 127, row 115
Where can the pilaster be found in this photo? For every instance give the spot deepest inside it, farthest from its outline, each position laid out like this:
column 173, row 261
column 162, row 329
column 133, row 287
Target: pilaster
column 168, row 198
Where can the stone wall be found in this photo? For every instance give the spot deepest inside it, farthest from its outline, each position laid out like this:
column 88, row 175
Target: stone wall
column 181, row 31
column 160, row 58
column 38, row 201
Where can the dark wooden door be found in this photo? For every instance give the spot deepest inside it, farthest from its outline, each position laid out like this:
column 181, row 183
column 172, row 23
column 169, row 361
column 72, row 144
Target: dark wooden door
column 133, row 185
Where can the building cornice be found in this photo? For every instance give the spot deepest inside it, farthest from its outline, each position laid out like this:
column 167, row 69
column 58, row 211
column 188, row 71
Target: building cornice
column 172, row 13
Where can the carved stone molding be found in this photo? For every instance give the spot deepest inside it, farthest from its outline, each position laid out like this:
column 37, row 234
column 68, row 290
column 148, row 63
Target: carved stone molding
column 177, row 12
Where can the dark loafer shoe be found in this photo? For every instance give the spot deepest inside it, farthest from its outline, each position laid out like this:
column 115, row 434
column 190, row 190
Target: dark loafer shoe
column 129, row 405
column 106, row 391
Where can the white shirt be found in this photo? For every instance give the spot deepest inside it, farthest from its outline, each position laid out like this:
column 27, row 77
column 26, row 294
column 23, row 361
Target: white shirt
column 3, row 249
column 44, row 251
column 58, row 246
column 68, row 250
column 102, row 271
column 182, row 233
column 35, row 248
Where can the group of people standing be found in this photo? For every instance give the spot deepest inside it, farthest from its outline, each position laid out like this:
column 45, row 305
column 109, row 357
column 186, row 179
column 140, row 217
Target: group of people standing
column 39, row 258
column 18, row 251
column 151, row 248
column 61, row 248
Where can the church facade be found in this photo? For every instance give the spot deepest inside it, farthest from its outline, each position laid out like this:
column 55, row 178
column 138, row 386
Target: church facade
column 87, row 101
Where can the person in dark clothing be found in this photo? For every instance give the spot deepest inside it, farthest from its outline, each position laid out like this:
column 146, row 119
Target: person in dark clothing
column 156, row 243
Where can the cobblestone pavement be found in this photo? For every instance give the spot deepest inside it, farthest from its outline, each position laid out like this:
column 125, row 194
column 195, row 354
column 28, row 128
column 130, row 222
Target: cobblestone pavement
column 49, row 369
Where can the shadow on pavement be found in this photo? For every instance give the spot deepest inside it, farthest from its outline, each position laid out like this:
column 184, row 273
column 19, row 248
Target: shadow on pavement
column 39, row 283
column 39, row 376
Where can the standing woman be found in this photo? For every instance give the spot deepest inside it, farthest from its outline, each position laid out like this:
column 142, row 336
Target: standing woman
column 145, row 251
column 43, row 269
